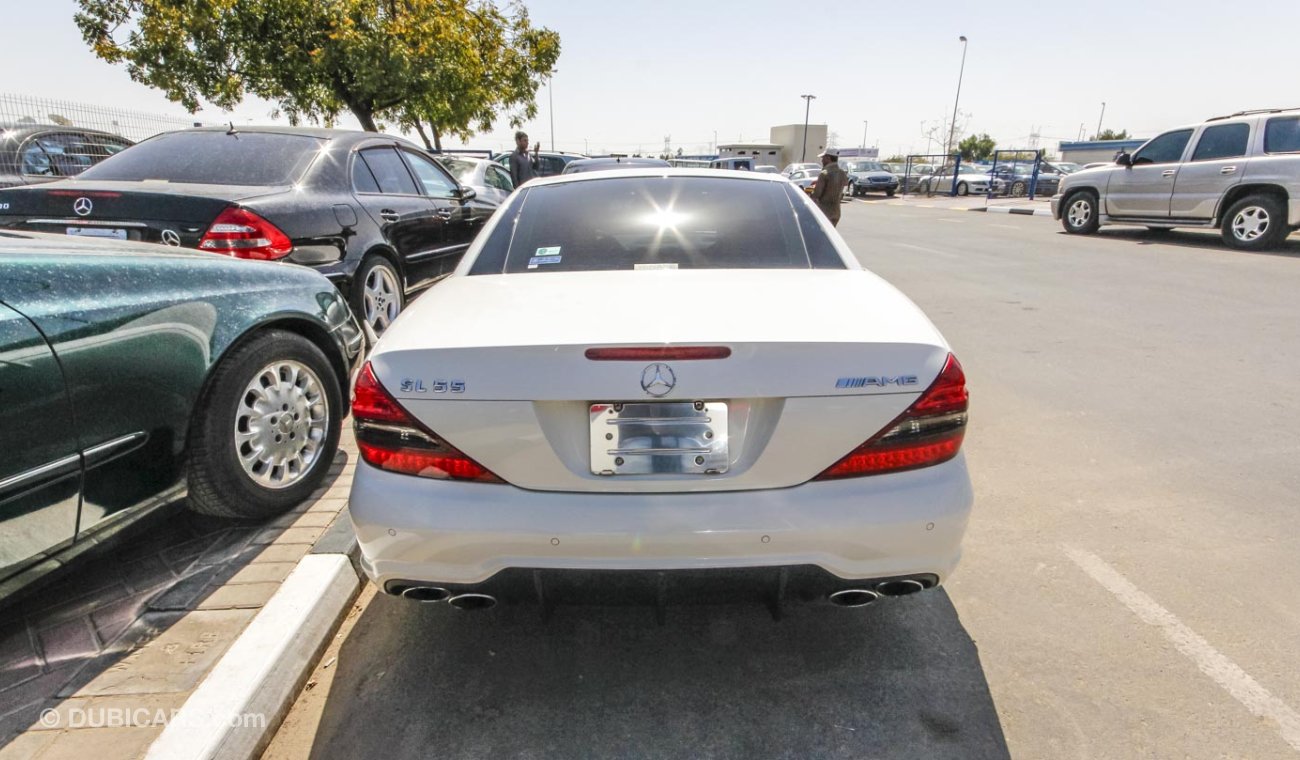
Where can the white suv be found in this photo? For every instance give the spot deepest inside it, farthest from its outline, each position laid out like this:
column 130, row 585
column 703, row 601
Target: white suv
column 1239, row 173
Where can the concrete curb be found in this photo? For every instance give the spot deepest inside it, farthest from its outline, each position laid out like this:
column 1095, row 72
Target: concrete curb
column 1010, row 210
column 233, row 713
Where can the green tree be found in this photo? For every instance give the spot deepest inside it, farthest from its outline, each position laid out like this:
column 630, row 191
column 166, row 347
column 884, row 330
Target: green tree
column 977, row 147
column 1110, row 134
column 452, row 64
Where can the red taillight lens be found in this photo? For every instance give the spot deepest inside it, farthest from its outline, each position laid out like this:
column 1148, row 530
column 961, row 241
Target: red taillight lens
column 928, row 433
column 390, row 439
column 240, row 233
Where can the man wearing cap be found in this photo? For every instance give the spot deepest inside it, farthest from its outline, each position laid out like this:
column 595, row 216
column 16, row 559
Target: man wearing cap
column 828, row 188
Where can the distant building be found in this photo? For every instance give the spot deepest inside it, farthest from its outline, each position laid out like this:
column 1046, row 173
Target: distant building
column 1093, row 151
column 785, row 146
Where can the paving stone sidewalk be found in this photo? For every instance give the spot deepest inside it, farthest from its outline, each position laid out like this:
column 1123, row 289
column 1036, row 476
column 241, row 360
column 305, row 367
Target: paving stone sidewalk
column 124, row 638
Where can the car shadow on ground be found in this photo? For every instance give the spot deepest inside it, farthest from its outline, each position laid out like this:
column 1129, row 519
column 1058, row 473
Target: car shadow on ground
column 63, row 634
column 900, row 678
column 1202, row 239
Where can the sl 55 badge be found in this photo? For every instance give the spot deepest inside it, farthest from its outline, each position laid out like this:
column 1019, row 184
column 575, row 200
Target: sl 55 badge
column 413, row 385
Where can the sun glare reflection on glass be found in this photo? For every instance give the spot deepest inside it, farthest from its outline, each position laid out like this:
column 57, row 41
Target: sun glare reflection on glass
column 665, row 219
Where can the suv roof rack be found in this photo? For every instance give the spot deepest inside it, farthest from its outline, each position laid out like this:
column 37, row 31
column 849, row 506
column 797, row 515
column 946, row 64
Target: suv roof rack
column 1251, row 113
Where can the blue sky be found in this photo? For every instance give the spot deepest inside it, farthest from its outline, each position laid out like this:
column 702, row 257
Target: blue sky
column 634, row 72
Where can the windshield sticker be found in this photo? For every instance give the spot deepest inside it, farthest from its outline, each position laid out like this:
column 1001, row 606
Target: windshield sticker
column 655, row 266
column 548, row 255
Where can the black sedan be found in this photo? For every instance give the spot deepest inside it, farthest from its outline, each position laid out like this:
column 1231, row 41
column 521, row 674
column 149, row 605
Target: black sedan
column 131, row 375
column 31, row 154
column 373, row 213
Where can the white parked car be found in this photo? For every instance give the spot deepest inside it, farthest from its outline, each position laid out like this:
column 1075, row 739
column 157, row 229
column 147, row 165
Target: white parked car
column 653, row 377
column 791, row 169
column 970, row 179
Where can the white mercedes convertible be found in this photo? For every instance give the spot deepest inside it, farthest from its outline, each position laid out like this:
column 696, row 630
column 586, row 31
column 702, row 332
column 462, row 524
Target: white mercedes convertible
column 661, row 385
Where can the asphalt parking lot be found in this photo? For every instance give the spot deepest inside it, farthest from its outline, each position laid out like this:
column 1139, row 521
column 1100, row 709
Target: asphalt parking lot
column 1127, row 588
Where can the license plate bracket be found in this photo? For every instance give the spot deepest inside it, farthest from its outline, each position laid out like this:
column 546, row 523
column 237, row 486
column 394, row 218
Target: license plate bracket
column 659, row 438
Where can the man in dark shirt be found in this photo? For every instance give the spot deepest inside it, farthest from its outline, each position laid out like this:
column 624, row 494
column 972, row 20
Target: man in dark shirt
column 522, row 166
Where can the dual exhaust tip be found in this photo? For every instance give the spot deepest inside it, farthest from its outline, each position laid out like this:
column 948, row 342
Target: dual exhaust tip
column 435, row 594
column 849, row 597
column 861, row 597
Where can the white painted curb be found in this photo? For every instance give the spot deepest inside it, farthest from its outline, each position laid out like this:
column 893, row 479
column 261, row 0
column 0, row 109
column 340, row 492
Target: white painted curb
column 1022, row 211
column 235, row 710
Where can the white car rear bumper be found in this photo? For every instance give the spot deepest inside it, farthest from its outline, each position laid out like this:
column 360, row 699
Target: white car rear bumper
column 438, row 532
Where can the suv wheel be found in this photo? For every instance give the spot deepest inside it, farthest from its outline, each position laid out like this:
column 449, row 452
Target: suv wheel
column 1079, row 216
column 265, row 433
column 377, row 294
column 1255, row 223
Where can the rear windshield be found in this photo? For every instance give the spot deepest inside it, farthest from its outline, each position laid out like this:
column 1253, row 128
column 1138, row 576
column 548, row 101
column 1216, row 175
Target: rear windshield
column 213, row 158
column 653, row 223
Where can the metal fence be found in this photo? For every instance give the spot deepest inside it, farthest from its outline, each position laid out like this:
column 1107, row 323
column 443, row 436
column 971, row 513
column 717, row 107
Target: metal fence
column 133, row 125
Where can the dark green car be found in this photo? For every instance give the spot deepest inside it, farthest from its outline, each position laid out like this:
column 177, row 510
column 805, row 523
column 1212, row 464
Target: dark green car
column 131, row 374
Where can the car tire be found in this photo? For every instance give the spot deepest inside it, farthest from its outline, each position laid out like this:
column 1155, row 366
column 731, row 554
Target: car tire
column 1019, row 189
column 963, row 189
column 890, row 193
column 229, row 469
column 1255, row 223
column 377, row 294
column 1079, row 213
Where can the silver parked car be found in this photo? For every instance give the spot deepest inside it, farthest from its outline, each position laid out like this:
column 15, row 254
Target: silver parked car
column 488, row 178
column 1238, row 173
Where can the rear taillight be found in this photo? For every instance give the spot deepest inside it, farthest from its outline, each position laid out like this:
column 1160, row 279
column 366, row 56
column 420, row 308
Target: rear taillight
column 240, row 233
column 390, row 439
column 929, row 432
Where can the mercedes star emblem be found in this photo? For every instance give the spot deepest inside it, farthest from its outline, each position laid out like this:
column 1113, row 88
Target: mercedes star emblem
column 82, row 206
column 658, row 379
column 171, row 237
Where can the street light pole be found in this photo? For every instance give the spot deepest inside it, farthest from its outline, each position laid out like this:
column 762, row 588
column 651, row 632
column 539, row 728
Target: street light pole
column 550, row 94
column 952, row 131
column 864, row 135
column 1099, row 118
column 807, row 99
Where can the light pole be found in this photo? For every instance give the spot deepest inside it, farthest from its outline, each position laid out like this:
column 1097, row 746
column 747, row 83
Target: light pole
column 550, row 94
column 807, row 99
column 1099, row 118
column 864, row 135
column 953, row 129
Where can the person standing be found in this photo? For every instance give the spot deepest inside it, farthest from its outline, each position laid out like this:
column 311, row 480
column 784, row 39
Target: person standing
column 829, row 187
column 523, row 167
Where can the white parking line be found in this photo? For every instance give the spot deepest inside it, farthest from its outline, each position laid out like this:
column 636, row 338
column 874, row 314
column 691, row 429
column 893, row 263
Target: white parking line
column 1211, row 662
column 920, row 248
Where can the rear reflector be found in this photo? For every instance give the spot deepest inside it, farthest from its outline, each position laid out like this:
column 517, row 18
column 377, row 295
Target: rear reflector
column 390, row 439
column 657, row 353
column 240, row 233
column 928, row 433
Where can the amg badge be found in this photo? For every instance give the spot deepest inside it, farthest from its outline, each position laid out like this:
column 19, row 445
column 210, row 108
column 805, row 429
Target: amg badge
column 883, row 381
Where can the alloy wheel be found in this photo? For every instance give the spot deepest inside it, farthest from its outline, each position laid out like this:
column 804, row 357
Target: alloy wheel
column 1080, row 213
column 381, row 299
column 1250, row 223
column 281, row 423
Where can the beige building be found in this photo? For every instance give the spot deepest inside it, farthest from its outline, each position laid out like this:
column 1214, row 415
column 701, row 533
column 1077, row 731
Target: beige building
column 785, row 146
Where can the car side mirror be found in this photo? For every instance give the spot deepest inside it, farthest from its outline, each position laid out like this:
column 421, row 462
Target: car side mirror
column 466, row 193
column 1124, row 159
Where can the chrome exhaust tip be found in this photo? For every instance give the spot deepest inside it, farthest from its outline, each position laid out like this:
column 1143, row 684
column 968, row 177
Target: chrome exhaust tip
column 427, row 594
column 472, row 601
column 853, row 597
column 901, row 587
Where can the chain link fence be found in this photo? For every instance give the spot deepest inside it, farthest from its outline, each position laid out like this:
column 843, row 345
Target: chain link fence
column 134, row 125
